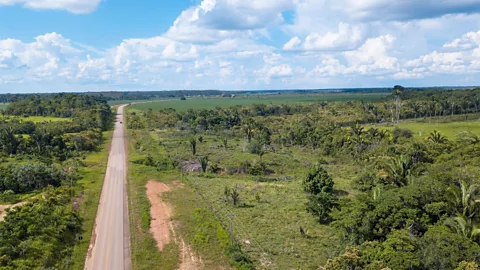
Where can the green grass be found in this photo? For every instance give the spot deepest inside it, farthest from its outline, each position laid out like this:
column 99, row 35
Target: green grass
column 451, row 130
column 90, row 189
column 124, row 101
column 271, row 224
column 197, row 227
column 39, row 119
column 3, row 106
column 145, row 254
column 210, row 103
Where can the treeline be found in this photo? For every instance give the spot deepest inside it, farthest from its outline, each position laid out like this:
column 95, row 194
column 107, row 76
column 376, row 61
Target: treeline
column 152, row 95
column 61, row 140
column 63, row 105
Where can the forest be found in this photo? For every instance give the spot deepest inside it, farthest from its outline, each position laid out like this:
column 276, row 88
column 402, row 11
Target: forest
column 41, row 161
column 327, row 185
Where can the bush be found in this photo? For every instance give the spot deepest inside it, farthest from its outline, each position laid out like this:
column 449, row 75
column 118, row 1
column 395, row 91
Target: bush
column 257, row 169
column 238, row 258
column 401, row 133
column 320, row 205
column 318, row 180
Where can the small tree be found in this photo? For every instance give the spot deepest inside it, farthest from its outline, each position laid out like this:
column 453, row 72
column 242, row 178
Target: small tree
column 204, row 163
column 257, row 148
column 193, row 144
column 396, row 92
column 318, row 180
column 225, row 142
column 321, row 204
column 232, row 195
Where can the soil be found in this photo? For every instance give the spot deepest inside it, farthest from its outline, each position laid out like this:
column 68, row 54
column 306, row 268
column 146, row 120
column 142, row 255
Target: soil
column 162, row 227
column 160, row 213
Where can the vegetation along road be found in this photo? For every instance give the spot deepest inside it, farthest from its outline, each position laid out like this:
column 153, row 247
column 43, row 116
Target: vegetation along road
column 110, row 245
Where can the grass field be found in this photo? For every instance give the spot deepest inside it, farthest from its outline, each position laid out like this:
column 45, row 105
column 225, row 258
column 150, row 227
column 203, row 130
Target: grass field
column 210, row 103
column 451, row 130
column 90, row 188
column 3, row 106
column 124, row 101
column 38, row 119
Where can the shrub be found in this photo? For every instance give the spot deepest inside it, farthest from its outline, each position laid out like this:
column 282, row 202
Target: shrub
column 238, row 258
column 318, row 180
column 320, row 205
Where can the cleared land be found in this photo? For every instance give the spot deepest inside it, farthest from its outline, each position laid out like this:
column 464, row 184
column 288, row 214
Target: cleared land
column 422, row 129
column 124, row 101
column 209, row 103
column 38, row 119
column 3, row 106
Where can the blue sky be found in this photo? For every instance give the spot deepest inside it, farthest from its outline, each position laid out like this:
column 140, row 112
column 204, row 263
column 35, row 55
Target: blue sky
column 92, row 45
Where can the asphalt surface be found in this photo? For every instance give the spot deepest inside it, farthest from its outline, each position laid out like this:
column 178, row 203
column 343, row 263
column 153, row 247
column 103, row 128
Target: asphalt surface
column 110, row 244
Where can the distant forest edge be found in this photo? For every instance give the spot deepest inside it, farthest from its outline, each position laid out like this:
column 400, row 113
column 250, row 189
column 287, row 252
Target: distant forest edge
column 153, row 95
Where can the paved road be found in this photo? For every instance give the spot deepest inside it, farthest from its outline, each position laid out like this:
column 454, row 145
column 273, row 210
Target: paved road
column 110, row 245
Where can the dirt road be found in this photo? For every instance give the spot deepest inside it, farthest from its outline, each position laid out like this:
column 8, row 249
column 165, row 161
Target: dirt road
column 110, row 244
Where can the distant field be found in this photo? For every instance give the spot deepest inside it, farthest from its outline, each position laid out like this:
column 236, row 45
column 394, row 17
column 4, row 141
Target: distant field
column 209, row 103
column 449, row 129
column 39, row 119
column 3, row 106
column 121, row 102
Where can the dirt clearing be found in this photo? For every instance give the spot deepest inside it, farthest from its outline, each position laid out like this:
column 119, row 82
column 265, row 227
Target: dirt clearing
column 162, row 227
column 3, row 209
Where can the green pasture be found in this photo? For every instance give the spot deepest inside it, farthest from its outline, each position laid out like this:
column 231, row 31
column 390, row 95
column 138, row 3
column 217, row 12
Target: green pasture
column 210, row 103
column 37, row 119
column 3, row 106
column 125, row 101
column 448, row 129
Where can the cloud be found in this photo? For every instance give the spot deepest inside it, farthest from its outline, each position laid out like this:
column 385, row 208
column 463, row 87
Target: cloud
column 215, row 20
column 73, row 6
column 234, row 44
column 346, row 38
column 386, row 10
column 373, row 55
column 468, row 41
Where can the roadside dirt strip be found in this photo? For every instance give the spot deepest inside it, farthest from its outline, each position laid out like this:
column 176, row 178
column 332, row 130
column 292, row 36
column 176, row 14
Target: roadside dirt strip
column 162, row 227
column 110, row 244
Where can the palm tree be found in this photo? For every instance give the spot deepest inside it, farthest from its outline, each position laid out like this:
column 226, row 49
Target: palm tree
column 249, row 128
column 416, row 108
column 463, row 226
column 204, row 163
column 465, row 199
column 400, row 170
column 437, row 138
column 193, row 145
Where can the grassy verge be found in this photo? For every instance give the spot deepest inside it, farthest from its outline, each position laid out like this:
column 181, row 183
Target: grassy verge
column 90, row 189
column 195, row 225
column 145, row 254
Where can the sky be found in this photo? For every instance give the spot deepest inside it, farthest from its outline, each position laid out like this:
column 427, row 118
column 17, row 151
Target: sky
column 95, row 45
